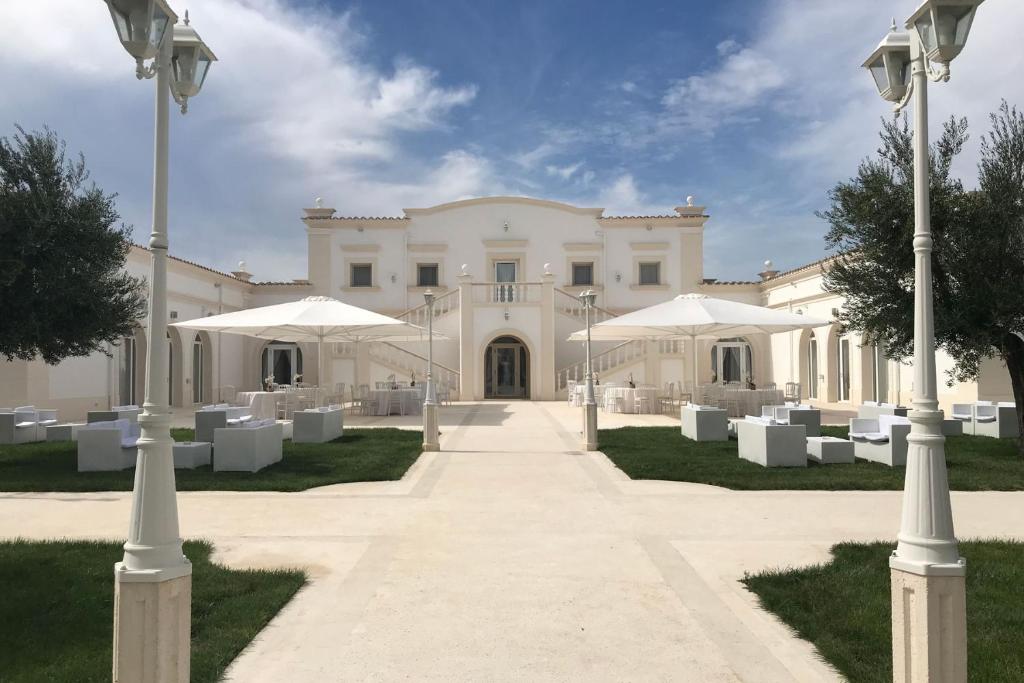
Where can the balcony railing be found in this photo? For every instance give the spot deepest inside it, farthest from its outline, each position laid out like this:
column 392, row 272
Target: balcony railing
column 506, row 293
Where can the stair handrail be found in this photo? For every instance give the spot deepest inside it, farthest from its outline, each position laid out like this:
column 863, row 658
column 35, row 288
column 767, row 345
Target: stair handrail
column 416, row 355
column 443, row 304
column 620, row 354
column 602, row 314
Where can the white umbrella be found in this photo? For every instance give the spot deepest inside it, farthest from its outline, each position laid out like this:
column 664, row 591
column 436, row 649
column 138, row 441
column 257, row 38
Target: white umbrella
column 315, row 318
column 693, row 317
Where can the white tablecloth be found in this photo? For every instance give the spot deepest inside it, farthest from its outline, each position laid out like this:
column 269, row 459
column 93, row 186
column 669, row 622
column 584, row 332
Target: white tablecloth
column 262, row 403
column 629, row 399
column 411, row 398
column 741, row 402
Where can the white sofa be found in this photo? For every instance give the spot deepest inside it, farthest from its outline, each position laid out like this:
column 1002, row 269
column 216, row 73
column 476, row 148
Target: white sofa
column 793, row 414
column 130, row 413
column 704, row 423
column 248, row 448
column 210, row 418
column 998, row 420
column 317, row 425
column 108, row 446
column 872, row 409
column 882, row 439
column 25, row 424
column 764, row 441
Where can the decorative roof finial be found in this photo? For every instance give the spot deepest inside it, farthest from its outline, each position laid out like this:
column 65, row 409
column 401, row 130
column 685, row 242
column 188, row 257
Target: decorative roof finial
column 186, row 17
column 689, row 200
column 319, row 203
column 893, row 28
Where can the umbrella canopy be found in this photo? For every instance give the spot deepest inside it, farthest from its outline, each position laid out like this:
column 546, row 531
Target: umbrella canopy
column 313, row 319
column 696, row 316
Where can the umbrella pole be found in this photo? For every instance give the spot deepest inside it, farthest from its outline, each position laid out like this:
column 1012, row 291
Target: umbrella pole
column 693, row 350
column 319, row 370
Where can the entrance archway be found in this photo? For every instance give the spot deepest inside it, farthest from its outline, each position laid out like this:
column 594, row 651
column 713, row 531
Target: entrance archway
column 506, row 368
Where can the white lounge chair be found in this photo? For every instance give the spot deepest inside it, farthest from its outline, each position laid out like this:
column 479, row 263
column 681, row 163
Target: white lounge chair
column 209, row 418
column 998, row 420
column 883, row 439
column 764, row 441
column 793, row 414
column 248, row 448
column 108, row 446
column 21, row 425
column 317, row 425
column 871, row 410
column 964, row 413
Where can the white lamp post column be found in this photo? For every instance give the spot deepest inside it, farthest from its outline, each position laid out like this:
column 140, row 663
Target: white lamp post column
column 589, row 403
column 430, row 433
column 929, row 611
column 153, row 582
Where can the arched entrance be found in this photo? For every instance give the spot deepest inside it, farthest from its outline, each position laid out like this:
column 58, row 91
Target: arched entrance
column 506, row 369
column 282, row 361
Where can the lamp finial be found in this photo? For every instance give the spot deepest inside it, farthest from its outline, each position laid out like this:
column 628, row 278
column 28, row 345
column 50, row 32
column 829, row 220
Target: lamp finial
column 186, row 17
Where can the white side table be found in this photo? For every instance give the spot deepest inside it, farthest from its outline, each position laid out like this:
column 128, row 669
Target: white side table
column 64, row 432
column 704, row 424
column 189, row 455
column 829, row 450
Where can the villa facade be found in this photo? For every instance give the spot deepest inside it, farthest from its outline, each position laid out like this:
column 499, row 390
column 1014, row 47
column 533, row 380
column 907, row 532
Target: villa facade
column 506, row 272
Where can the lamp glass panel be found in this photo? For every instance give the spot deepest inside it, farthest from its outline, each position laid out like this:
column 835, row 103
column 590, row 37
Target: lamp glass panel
column 897, row 69
column 926, row 29
column 965, row 16
column 202, row 66
column 185, row 65
column 122, row 24
column 158, row 26
column 878, row 71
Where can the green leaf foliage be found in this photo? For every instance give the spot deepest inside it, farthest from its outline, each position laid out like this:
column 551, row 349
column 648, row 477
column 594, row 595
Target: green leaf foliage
column 63, row 288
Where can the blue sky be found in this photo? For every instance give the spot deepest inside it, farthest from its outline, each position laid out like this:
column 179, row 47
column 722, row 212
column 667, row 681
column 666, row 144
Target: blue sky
column 755, row 108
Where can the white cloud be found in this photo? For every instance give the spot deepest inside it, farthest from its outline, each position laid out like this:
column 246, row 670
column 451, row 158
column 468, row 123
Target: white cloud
column 628, row 86
column 727, row 47
column 563, row 172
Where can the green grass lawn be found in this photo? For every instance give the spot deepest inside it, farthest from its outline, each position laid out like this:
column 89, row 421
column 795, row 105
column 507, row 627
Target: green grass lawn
column 976, row 463
column 57, row 610
column 360, row 455
column 843, row 608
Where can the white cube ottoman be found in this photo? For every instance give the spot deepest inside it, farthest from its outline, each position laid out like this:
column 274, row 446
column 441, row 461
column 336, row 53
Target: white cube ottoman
column 191, row 454
column 830, row 450
column 65, row 432
column 702, row 423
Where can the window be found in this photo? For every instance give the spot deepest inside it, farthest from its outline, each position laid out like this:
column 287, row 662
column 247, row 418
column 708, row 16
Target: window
column 362, row 275
column 650, row 273
column 582, row 274
column 812, row 368
column 843, row 384
column 426, row 275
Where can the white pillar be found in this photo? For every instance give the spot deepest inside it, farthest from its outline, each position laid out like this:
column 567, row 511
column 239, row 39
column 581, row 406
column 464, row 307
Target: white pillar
column 929, row 622
column 470, row 388
column 153, row 583
column 430, row 434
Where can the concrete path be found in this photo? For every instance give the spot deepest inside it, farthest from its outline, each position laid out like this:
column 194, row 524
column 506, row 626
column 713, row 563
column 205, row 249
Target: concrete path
column 513, row 556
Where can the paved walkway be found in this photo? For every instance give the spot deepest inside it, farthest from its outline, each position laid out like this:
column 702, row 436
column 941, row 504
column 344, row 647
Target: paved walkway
column 512, row 556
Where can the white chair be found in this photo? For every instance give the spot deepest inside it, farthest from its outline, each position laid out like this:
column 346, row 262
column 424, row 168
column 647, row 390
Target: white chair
column 704, row 423
column 871, row 410
column 614, row 402
column 21, row 425
column 210, row 418
column 764, row 441
column 444, row 394
column 998, row 420
column 809, row 417
column 317, row 425
column 570, row 391
column 249, row 448
column 792, row 391
column 108, row 446
column 964, row 413
column 361, row 402
column 882, row 439
column 395, row 399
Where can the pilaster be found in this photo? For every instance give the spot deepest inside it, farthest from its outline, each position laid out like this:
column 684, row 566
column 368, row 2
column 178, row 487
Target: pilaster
column 547, row 337
column 467, row 353
column 929, row 628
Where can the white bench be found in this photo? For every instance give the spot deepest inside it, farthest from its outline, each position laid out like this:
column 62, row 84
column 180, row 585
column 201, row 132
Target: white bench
column 317, row 425
column 883, row 439
column 830, row 450
column 210, row 418
column 764, row 441
column 108, row 446
column 807, row 416
column 704, row 423
column 998, row 420
column 248, row 448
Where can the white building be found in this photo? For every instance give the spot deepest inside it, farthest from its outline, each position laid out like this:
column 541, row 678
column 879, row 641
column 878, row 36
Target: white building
column 506, row 272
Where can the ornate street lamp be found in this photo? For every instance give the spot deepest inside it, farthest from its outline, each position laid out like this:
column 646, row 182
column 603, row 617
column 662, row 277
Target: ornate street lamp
column 430, row 433
column 153, row 643
column 929, row 617
column 588, row 298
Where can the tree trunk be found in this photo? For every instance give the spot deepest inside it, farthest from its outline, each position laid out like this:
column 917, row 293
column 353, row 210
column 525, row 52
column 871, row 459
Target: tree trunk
column 1013, row 354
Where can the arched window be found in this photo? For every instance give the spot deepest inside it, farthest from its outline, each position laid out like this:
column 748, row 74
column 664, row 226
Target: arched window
column 812, row 367
column 843, row 368
column 197, row 369
column 282, row 361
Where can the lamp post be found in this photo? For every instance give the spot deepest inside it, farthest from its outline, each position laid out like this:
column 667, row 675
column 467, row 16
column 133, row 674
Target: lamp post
column 588, row 298
column 153, row 582
column 430, row 435
column 929, row 613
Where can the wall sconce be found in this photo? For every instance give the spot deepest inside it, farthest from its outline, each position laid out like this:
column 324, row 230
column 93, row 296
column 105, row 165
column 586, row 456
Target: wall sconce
column 618, row 276
column 508, row 314
column 506, row 226
column 394, row 278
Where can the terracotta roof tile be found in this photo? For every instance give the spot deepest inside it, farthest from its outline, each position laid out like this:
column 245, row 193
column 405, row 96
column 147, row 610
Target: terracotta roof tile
column 197, row 265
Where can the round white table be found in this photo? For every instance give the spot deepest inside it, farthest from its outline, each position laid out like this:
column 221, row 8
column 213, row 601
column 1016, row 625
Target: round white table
column 411, row 400
column 626, row 399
